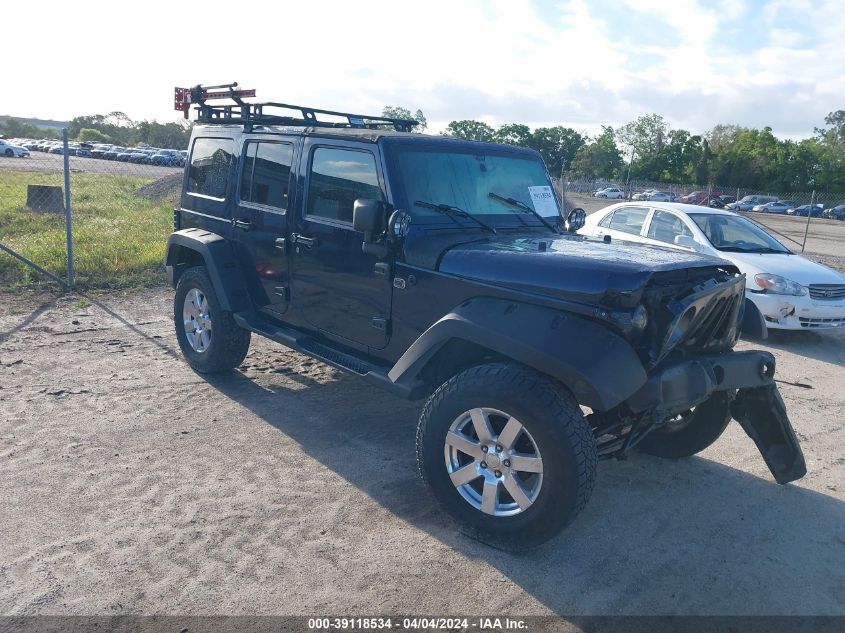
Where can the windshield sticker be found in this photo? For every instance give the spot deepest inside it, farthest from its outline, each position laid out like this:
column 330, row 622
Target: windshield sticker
column 543, row 200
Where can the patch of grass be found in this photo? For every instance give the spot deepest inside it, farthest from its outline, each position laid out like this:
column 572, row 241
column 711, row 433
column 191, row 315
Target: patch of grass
column 118, row 237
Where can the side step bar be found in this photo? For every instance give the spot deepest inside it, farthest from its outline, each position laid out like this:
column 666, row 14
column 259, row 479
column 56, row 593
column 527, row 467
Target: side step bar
column 319, row 350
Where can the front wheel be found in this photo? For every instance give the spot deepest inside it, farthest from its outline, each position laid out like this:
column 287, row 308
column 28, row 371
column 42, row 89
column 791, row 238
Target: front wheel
column 9, row 153
column 508, row 453
column 208, row 336
column 692, row 431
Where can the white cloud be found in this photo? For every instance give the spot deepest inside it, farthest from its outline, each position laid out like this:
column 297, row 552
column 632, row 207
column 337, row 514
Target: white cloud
column 572, row 62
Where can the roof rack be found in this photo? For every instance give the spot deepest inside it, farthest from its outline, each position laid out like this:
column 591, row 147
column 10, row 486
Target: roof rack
column 253, row 114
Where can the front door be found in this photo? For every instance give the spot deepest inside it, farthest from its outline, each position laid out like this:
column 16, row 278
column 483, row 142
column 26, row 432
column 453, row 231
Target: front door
column 261, row 221
column 337, row 288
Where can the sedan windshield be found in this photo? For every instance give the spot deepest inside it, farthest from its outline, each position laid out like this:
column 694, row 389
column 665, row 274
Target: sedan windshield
column 732, row 233
column 466, row 180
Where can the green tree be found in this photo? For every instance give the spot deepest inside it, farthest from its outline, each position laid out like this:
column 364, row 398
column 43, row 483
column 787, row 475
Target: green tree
column 600, row 158
column 470, row 130
column 646, row 137
column 398, row 112
column 91, row 135
column 558, row 146
column 15, row 128
column 513, row 134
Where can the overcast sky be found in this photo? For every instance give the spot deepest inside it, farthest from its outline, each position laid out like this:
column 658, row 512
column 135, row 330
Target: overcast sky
column 574, row 62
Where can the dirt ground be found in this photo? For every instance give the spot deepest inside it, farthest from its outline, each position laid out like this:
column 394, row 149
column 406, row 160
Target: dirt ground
column 131, row 485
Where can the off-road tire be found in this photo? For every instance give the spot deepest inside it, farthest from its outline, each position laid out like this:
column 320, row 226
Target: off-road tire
column 703, row 427
column 555, row 421
column 229, row 342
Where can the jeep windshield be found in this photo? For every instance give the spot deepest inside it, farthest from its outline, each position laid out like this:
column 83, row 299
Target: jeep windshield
column 465, row 179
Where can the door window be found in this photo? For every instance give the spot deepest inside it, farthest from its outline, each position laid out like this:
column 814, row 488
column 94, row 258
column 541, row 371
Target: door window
column 338, row 178
column 665, row 227
column 266, row 173
column 628, row 219
column 209, row 172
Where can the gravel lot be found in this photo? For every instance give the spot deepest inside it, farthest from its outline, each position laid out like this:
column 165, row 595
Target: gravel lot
column 132, row 485
column 40, row 161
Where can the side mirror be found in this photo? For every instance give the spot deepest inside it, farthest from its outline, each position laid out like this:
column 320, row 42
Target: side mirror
column 686, row 241
column 370, row 218
column 575, row 220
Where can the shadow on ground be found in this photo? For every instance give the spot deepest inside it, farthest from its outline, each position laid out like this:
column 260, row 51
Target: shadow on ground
column 696, row 533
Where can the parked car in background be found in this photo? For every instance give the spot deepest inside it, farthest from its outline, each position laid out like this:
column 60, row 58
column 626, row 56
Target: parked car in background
column 610, row 192
column 720, row 202
column 747, row 203
column 9, row 149
column 124, row 156
column 166, row 157
column 835, row 213
column 779, row 206
column 114, row 152
column 815, row 211
column 98, row 150
column 698, row 197
column 137, row 156
column 783, row 290
column 56, row 149
column 643, row 195
column 661, row 196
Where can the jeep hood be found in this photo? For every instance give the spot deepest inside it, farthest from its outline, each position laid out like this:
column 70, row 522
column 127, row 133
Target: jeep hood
column 566, row 267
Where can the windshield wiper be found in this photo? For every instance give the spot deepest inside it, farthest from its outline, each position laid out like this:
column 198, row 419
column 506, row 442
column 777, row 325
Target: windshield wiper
column 450, row 210
column 521, row 205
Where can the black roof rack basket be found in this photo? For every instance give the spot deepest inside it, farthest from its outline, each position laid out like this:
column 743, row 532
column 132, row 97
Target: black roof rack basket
column 253, row 114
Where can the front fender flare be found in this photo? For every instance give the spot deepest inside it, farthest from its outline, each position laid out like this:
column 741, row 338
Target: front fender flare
column 596, row 364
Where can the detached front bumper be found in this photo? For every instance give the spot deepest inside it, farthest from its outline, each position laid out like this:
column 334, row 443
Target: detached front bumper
column 758, row 406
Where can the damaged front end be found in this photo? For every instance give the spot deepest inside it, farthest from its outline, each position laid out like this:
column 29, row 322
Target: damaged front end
column 694, row 319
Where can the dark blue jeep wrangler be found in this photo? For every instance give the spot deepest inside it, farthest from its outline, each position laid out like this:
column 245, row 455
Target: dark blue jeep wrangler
column 444, row 270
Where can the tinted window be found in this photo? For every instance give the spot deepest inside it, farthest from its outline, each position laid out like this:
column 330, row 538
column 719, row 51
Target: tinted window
column 266, row 173
column 210, row 160
column 338, row 178
column 666, row 227
column 628, row 219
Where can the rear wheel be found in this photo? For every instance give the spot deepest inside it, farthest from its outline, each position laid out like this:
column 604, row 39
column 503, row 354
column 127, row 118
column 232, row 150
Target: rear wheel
column 208, row 336
column 9, row 152
column 690, row 432
column 508, row 453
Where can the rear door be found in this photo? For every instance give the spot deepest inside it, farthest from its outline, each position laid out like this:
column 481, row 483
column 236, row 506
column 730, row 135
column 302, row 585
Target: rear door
column 261, row 220
column 337, row 288
column 625, row 223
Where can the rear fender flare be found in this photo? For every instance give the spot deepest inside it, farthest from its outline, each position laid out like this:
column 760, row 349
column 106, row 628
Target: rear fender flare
column 598, row 366
column 219, row 260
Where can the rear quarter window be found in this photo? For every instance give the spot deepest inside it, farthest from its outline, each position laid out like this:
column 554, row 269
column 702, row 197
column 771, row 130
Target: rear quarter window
column 210, row 162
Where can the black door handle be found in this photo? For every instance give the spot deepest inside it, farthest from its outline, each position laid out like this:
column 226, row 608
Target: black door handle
column 307, row 242
column 244, row 225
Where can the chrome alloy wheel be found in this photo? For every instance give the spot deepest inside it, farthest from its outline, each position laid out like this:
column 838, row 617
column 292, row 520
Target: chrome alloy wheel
column 493, row 462
column 197, row 320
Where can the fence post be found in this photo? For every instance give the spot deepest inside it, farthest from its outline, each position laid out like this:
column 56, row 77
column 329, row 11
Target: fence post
column 809, row 215
column 68, row 227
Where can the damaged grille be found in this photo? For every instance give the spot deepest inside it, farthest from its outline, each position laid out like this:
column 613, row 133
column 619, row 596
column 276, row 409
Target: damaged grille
column 827, row 291
column 697, row 312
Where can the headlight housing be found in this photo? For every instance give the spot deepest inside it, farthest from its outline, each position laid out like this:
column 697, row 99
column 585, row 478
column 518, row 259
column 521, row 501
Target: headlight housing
column 778, row 285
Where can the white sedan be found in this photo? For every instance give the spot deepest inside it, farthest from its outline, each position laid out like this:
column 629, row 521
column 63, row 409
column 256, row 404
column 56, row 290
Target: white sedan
column 784, row 290
column 8, row 149
column 610, row 192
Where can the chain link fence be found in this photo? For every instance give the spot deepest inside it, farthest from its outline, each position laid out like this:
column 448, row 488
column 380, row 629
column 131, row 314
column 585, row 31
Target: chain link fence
column 96, row 215
column 99, row 215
